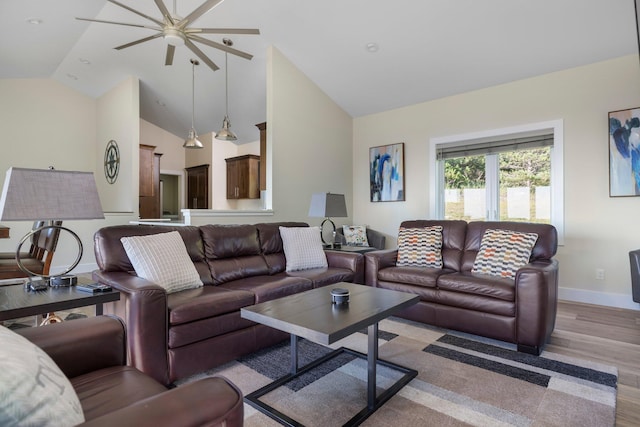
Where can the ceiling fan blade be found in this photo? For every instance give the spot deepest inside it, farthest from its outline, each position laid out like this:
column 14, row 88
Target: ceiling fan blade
column 165, row 12
column 120, row 23
column 222, row 31
column 201, row 55
column 220, row 46
column 201, row 10
column 133, row 43
column 124, row 6
column 171, row 49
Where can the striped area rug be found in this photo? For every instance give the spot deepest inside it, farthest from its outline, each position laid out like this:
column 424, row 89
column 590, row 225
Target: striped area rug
column 463, row 380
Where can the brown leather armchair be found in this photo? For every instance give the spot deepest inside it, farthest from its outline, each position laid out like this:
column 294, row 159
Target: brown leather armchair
column 92, row 354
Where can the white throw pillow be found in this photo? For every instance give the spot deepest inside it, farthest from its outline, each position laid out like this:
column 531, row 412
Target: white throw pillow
column 162, row 259
column 303, row 248
column 34, row 391
column 355, row 235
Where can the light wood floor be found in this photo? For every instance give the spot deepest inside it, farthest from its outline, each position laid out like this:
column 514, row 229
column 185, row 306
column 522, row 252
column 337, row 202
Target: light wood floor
column 607, row 335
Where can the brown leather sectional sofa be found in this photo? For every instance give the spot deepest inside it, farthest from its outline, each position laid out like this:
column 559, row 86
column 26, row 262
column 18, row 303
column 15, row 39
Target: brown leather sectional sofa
column 172, row 336
column 520, row 311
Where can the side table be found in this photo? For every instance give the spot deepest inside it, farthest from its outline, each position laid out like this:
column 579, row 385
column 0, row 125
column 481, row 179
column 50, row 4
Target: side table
column 354, row 249
column 17, row 302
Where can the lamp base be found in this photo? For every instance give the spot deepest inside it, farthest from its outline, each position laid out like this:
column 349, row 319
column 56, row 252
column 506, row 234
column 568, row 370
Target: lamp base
column 328, row 245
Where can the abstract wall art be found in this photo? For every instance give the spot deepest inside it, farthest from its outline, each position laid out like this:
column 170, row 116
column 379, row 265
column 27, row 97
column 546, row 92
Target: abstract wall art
column 386, row 173
column 624, row 153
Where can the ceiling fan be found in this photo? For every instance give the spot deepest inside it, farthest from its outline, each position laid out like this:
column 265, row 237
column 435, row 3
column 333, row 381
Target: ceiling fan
column 176, row 31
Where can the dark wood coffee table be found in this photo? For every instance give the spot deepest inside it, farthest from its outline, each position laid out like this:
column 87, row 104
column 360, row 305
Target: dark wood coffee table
column 313, row 316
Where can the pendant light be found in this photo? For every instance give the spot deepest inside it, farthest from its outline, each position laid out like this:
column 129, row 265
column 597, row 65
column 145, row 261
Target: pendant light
column 192, row 141
column 225, row 133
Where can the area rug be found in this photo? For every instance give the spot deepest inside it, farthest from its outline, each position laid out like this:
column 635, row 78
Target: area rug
column 463, row 380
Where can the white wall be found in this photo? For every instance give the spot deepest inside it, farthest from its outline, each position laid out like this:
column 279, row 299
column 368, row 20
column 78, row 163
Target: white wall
column 118, row 113
column 599, row 230
column 45, row 123
column 308, row 143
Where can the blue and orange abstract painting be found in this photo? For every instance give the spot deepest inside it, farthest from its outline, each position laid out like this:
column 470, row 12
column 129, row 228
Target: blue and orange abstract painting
column 624, row 153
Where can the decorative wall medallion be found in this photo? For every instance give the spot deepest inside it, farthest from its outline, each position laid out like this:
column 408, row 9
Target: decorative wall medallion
column 111, row 162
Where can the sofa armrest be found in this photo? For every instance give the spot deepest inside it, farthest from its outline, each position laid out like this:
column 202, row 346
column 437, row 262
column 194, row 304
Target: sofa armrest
column 377, row 260
column 208, row 401
column 143, row 307
column 82, row 345
column 376, row 239
column 348, row 260
column 536, row 302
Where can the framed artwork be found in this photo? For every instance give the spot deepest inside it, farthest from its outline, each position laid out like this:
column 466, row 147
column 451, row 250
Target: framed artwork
column 624, row 153
column 386, row 173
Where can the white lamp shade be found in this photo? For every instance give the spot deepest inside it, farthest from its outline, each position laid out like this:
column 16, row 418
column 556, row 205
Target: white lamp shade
column 325, row 205
column 46, row 194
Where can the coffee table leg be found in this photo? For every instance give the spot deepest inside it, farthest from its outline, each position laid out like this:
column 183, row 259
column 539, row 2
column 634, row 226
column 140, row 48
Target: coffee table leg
column 294, row 354
column 372, row 358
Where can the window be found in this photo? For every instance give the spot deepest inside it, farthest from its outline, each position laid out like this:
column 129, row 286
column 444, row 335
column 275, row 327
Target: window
column 502, row 175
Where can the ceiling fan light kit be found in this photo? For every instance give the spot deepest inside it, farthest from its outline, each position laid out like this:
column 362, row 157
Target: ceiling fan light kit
column 226, row 134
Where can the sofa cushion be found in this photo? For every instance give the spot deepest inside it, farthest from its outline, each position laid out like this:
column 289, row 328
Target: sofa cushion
column 420, row 276
column 267, row 288
column 111, row 256
column 544, row 249
column 208, row 301
column 34, row 389
column 453, row 239
column 355, row 235
column 420, row 247
column 303, row 248
column 162, row 259
column 324, row 276
column 488, row 286
column 106, row 390
column 503, row 252
column 233, row 252
column 271, row 243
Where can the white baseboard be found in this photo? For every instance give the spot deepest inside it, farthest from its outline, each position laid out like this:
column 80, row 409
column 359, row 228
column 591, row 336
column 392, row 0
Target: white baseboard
column 598, row 298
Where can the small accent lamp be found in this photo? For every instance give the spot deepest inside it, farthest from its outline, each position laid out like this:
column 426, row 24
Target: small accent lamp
column 325, row 205
column 41, row 194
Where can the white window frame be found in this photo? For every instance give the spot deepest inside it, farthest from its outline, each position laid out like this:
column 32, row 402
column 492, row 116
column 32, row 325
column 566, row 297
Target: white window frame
column 556, row 127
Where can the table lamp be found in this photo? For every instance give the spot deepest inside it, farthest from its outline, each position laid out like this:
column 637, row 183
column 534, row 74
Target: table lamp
column 49, row 195
column 326, row 205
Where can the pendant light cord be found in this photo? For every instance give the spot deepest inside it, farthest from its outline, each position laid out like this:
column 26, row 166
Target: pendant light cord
column 226, row 83
column 193, row 93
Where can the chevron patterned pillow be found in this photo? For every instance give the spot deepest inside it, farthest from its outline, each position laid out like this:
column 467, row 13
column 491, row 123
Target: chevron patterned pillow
column 503, row 252
column 420, row 247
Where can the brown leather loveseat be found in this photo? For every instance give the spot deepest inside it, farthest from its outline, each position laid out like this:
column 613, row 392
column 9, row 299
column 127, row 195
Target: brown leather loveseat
column 172, row 336
column 520, row 310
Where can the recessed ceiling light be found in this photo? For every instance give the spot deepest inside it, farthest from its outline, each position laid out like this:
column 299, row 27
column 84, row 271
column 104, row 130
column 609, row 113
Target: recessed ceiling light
column 72, row 76
column 372, row 47
column 84, row 61
column 34, row 21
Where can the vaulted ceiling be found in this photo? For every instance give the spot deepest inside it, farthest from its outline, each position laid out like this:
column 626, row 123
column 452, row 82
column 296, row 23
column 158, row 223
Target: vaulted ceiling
column 367, row 55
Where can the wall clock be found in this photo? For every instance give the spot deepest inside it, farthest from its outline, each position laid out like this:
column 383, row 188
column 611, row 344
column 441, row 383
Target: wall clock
column 111, row 161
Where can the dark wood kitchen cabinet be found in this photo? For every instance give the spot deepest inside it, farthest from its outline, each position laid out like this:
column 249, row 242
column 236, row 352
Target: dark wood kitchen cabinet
column 243, row 177
column 198, row 187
